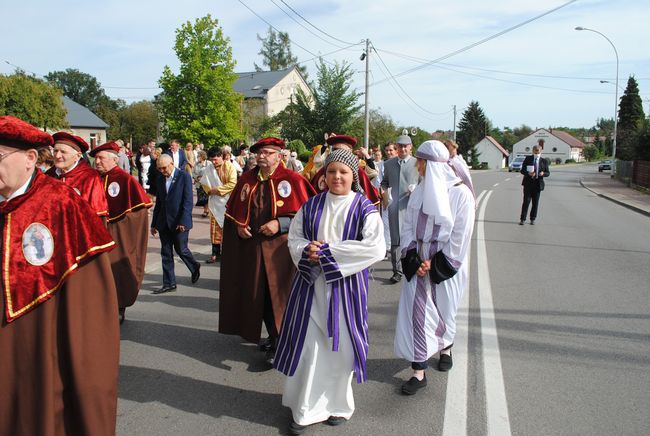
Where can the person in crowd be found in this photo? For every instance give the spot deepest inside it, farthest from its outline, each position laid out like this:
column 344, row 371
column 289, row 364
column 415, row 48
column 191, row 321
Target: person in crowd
column 227, row 155
column 45, row 159
column 123, row 161
column 242, row 156
column 459, row 165
column 72, row 169
column 128, row 219
column 218, row 181
column 401, row 176
column 255, row 263
column 297, row 163
column 172, row 219
column 153, row 174
column 535, row 169
column 333, row 240
column 59, row 337
column 345, row 142
column 436, row 235
column 177, row 154
column 143, row 163
column 199, row 169
column 190, row 157
column 251, row 162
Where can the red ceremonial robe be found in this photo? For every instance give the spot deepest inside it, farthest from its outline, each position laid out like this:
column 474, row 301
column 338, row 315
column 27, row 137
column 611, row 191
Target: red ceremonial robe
column 128, row 224
column 59, row 339
column 249, row 265
column 371, row 193
column 87, row 183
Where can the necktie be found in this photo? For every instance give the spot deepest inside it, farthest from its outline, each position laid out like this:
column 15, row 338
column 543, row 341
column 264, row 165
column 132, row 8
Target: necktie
column 536, row 167
column 401, row 162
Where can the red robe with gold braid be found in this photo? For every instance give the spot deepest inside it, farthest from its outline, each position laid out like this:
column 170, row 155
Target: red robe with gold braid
column 128, row 224
column 284, row 202
column 44, row 242
column 60, row 338
column 259, row 267
column 371, row 193
column 87, row 183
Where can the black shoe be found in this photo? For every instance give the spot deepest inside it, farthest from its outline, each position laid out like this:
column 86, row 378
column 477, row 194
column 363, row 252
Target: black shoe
column 532, row 222
column 197, row 273
column 446, row 362
column 521, row 222
column 336, row 420
column 122, row 314
column 396, row 278
column 164, row 289
column 414, row 385
column 270, row 356
column 265, row 344
column 295, row 428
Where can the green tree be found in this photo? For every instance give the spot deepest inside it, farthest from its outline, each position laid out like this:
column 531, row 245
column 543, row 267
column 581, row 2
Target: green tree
column 522, row 131
column 139, row 122
column 472, row 128
column 381, row 126
column 199, row 104
column 276, row 53
column 332, row 107
column 630, row 120
column 32, row 100
column 80, row 87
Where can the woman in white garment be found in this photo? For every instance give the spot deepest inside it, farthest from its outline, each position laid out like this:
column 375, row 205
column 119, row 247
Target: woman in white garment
column 438, row 227
column 333, row 240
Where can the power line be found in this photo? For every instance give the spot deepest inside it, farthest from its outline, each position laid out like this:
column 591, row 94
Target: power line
column 303, row 26
column 309, row 22
column 482, row 41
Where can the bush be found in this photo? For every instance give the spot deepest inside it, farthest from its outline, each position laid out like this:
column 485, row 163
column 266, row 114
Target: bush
column 304, row 156
column 568, row 161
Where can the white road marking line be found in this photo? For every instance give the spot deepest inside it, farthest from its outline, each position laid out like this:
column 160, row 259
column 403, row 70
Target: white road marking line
column 507, row 180
column 498, row 421
column 495, row 185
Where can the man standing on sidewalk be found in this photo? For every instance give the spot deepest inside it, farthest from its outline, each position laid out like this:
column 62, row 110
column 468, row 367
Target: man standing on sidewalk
column 128, row 218
column 172, row 218
column 256, row 266
column 534, row 169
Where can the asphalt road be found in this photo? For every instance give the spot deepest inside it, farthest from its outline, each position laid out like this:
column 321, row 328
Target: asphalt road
column 553, row 335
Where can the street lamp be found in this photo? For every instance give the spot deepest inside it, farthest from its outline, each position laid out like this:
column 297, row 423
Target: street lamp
column 615, row 98
column 612, row 83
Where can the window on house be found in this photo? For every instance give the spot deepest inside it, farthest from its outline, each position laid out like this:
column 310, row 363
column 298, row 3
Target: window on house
column 93, row 140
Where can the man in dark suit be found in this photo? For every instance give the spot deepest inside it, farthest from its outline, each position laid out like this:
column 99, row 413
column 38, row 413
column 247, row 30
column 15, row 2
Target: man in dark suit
column 177, row 154
column 172, row 218
column 534, row 169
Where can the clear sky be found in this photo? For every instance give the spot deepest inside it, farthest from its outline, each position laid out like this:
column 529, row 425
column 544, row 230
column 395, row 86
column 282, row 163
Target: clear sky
column 542, row 74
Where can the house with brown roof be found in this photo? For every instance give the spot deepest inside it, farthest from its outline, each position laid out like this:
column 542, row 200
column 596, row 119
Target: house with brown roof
column 559, row 146
column 492, row 153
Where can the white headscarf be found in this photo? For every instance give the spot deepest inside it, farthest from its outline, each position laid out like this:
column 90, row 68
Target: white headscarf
column 432, row 193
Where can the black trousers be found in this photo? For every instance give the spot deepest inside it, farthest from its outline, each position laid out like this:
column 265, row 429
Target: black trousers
column 530, row 194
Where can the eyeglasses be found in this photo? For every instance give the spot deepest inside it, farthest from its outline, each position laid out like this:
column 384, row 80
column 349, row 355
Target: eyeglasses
column 266, row 152
column 3, row 155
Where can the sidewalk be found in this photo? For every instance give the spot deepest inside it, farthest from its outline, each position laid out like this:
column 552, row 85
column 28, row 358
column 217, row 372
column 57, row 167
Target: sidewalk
column 603, row 185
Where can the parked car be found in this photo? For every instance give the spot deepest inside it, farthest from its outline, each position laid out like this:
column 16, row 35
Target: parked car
column 604, row 165
column 515, row 164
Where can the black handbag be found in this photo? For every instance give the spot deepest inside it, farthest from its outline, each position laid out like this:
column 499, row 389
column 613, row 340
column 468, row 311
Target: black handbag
column 441, row 269
column 410, row 263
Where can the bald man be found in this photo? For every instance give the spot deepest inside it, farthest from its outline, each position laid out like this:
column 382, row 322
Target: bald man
column 172, row 218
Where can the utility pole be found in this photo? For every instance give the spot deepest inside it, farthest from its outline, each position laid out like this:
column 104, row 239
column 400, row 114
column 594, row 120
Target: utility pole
column 454, row 137
column 366, row 132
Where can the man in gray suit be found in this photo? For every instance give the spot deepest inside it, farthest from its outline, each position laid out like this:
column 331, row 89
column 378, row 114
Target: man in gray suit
column 401, row 176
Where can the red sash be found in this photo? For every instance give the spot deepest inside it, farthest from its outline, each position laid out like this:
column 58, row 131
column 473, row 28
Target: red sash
column 87, row 183
column 47, row 233
column 123, row 193
column 289, row 191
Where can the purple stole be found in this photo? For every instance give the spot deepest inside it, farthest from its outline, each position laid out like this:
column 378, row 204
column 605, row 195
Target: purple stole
column 351, row 290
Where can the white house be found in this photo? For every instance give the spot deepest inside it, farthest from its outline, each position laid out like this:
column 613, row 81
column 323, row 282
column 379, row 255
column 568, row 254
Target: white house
column 270, row 91
column 492, row 153
column 84, row 123
column 558, row 145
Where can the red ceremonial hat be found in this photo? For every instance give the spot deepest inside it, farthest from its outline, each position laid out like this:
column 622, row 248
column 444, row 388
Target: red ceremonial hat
column 109, row 146
column 72, row 140
column 267, row 142
column 16, row 133
column 338, row 139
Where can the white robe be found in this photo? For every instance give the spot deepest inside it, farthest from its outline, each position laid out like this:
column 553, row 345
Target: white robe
column 439, row 326
column 321, row 386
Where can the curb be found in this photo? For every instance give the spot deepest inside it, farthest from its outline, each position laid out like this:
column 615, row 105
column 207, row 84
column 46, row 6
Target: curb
column 613, row 200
